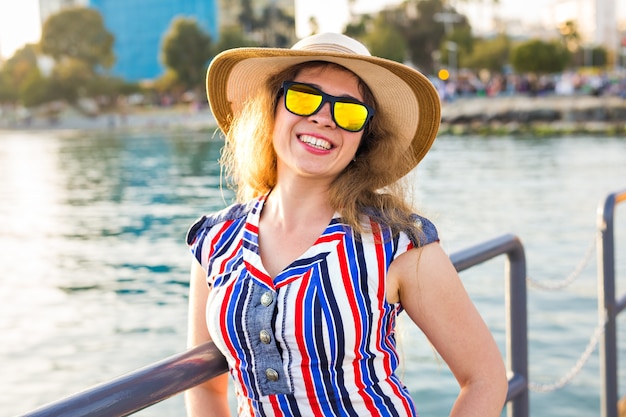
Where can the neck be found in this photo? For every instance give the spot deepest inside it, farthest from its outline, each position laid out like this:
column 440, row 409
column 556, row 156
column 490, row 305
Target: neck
column 297, row 204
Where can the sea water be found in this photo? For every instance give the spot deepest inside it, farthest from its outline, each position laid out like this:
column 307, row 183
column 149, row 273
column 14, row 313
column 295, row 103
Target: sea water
column 94, row 266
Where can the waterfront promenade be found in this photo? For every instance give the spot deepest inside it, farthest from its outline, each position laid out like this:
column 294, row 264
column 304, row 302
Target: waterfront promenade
column 545, row 115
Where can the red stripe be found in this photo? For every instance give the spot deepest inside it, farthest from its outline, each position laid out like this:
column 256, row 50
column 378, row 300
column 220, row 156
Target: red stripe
column 275, row 406
column 330, row 237
column 382, row 277
column 223, row 328
column 260, row 275
column 358, row 327
column 305, row 364
column 381, row 295
column 217, row 237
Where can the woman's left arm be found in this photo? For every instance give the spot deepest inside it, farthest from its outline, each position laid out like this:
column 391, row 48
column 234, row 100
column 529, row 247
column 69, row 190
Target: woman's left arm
column 430, row 290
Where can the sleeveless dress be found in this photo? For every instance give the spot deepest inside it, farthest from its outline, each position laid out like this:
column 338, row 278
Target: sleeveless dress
column 319, row 338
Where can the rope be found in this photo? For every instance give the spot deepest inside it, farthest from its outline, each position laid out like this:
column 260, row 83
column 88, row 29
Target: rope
column 572, row 373
column 595, row 337
column 571, row 277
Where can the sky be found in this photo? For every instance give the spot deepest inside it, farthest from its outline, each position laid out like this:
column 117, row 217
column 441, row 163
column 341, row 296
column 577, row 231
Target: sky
column 19, row 19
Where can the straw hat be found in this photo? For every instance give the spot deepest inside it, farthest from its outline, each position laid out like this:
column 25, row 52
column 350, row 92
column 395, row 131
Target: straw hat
column 407, row 102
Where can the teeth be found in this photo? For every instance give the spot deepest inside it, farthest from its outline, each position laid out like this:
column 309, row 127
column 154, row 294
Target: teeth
column 315, row 142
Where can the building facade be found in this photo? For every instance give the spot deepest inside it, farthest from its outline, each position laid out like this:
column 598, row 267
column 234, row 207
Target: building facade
column 139, row 27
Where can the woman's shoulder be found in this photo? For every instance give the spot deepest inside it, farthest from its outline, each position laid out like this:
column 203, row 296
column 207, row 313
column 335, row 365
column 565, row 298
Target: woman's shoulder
column 426, row 231
column 231, row 213
column 413, row 227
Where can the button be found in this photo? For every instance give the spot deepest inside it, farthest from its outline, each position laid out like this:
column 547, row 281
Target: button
column 265, row 336
column 267, row 298
column 271, row 374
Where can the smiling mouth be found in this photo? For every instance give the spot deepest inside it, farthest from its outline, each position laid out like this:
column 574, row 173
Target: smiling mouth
column 316, row 142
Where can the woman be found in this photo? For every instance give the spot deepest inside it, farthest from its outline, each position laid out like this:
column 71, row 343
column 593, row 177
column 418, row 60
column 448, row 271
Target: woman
column 300, row 283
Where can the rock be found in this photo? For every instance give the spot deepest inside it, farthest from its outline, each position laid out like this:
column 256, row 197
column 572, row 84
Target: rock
column 524, row 114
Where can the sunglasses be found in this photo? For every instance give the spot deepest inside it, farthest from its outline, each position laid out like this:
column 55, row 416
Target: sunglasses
column 304, row 99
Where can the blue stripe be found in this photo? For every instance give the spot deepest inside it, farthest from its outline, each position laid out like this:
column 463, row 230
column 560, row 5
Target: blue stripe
column 337, row 343
column 237, row 334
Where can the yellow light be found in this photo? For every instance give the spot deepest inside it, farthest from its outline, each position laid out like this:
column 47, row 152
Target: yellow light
column 443, row 74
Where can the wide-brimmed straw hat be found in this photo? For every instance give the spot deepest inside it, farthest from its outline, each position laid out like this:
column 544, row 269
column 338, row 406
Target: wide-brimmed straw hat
column 406, row 100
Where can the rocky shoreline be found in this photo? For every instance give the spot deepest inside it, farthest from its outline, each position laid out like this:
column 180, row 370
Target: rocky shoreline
column 494, row 116
column 539, row 116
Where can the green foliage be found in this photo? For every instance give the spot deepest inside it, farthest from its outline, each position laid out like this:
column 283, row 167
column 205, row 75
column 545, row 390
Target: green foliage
column 385, row 40
column 186, row 51
column 423, row 33
column 233, row 37
column 78, row 33
column 540, row 57
column 20, row 69
column 358, row 29
column 36, row 90
column 490, row 54
column 70, row 80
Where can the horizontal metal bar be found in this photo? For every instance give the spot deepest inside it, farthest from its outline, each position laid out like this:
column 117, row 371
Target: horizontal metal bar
column 157, row 382
column 517, row 386
column 141, row 388
column 620, row 305
column 482, row 252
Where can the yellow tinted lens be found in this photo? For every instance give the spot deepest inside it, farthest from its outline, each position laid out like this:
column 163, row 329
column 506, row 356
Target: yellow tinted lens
column 302, row 102
column 350, row 116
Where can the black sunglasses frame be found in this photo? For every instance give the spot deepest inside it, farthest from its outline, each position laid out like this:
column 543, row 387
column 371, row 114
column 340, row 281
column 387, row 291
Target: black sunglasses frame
column 326, row 98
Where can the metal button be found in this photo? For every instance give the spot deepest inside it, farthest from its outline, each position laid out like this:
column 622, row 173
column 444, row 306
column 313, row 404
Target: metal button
column 267, row 298
column 265, row 336
column 271, row 374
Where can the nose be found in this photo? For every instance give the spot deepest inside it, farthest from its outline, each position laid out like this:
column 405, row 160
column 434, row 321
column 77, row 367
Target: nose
column 323, row 116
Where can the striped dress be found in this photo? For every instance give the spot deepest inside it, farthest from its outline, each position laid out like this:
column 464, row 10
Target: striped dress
column 318, row 339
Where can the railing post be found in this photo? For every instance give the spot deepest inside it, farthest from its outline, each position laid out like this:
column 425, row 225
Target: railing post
column 516, row 312
column 607, row 305
column 144, row 387
column 517, row 342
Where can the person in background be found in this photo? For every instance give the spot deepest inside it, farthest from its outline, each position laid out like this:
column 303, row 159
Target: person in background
column 300, row 282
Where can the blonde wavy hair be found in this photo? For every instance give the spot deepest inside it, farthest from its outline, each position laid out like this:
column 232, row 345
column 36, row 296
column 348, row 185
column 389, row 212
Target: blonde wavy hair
column 367, row 186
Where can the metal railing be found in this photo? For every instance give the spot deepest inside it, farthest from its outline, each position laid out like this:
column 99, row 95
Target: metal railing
column 142, row 388
column 147, row 386
column 608, row 306
column 516, row 314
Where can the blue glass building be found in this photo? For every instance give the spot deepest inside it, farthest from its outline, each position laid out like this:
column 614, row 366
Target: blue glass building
column 139, row 27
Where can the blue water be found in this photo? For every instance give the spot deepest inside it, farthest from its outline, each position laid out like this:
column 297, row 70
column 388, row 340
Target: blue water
column 94, row 267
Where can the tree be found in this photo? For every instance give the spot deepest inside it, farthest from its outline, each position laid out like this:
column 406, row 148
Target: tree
column 423, row 34
column 186, row 51
column 277, row 27
column 385, row 40
column 314, row 26
column 247, row 18
column 570, row 34
column 540, row 57
column 71, row 79
column 36, row 90
column 233, row 37
column 78, row 33
column 81, row 47
column 490, row 54
column 20, row 69
column 358, row 29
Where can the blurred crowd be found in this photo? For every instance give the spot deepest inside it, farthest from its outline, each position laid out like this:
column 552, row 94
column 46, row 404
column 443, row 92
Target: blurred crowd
column 469, row 84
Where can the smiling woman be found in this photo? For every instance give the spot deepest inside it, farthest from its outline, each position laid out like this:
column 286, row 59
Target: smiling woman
column 19, row 25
